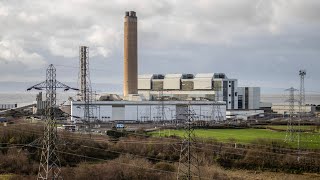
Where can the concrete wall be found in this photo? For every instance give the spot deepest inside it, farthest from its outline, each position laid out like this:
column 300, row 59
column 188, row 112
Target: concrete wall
column 252, row 98
column 130, row 84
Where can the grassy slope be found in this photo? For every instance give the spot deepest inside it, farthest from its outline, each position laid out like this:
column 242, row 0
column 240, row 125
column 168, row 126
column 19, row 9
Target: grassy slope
column 308, row 140
column 6, row 176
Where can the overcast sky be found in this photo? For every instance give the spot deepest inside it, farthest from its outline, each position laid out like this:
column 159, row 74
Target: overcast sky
column 259, row 42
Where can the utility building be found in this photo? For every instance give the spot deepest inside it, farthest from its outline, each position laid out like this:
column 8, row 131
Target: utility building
column 248, row 98
column 211, row 87
column 151, row 110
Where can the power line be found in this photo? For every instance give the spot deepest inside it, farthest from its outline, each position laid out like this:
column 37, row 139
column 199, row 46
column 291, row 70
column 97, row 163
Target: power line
column 170, row 139
column 234, row 148
column 49, row 167
column 188, row 161
column 86, row 93
column 290, row 135
column 131, row 133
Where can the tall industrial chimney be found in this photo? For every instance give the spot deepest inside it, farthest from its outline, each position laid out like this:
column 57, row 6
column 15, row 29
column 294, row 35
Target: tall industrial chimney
column 130, row 84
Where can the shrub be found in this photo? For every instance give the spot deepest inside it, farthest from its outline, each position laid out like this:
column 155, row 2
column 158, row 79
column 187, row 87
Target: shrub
column 16, row 161
column 165, row 167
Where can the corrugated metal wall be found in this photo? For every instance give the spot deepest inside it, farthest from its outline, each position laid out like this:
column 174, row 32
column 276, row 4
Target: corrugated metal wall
column 131, row 112
column 118, row 113
column 148, row 112
column 106, row 113
column 144, row 113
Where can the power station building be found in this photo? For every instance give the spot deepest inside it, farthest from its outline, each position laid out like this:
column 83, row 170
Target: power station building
column 143, row 111
column 210, row 87
column 157, row 97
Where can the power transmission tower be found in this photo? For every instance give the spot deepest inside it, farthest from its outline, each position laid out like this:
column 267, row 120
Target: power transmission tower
column 188, row 163
column 302, row 96
column 290, row 135
column 161, row 116
column 216, row 111
column 86, row 94
column 49, row 167
column 302, row 99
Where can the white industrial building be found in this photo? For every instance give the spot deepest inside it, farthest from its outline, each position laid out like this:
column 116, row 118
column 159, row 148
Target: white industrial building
column 7, row 106
column 211, row 86
column 150, row 110
column 285, row 109
column 244, row 114
column 248, row 98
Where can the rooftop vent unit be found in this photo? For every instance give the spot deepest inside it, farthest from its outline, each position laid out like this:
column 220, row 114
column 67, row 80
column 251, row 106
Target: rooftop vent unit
column 219, row 75
column 158, row 76
column 187, row 76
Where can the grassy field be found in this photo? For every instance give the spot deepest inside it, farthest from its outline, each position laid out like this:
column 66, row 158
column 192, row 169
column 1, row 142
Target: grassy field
column 308, row 140
column 5, row 176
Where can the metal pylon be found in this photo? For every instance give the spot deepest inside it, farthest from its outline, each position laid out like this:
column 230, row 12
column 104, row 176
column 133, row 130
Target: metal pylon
column 188, row 163
column 49, row 167
column 291, row 131
column 216, row 111
column 86, row 94
column 302, row 96
column 302, row 100
column 161, row 108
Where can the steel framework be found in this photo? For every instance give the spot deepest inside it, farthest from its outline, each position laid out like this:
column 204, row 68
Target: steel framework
column 188, row 163
column 86, row 93
column 291, row 131
column 161, row 109
column 302, row 96
column 49, row 167
column 216, row 111
column 302, row 100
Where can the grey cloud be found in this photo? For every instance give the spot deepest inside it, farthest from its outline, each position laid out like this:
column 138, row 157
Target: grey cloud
column 254, row 41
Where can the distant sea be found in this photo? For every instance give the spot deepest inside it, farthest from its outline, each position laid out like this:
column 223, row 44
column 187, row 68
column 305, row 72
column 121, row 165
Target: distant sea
column 25, row 98
column 281, row 98
column 15, row 92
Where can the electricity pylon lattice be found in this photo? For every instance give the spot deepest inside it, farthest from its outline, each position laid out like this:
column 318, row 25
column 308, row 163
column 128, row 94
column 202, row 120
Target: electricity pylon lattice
column 302, row 96
column 302, row 101
column 188, row 163
column 49, row 167
column 86, row 94
column 216, row 111
column 161, row 115
column 291, row 131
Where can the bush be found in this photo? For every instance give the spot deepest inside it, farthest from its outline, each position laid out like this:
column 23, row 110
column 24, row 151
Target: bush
column 115, row 134
column 16, row 161
column 124, row 167
column 165, row 167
